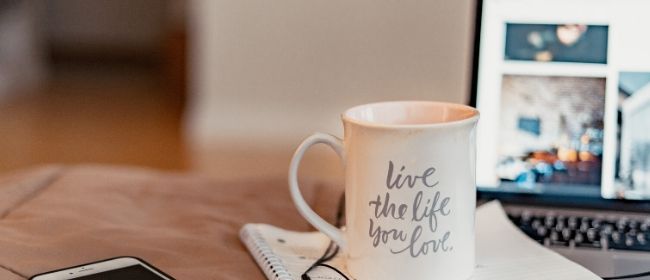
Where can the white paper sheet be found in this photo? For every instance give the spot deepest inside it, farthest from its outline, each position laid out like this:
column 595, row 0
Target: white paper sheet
column 503, row 252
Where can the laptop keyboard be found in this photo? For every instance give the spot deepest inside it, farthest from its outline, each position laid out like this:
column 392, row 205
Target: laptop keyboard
column 589, row 232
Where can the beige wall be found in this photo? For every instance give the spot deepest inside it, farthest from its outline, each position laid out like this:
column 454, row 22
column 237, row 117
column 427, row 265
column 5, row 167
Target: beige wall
column 265, row 74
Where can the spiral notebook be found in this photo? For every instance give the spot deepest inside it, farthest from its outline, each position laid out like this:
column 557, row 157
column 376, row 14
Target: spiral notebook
column 502, row 252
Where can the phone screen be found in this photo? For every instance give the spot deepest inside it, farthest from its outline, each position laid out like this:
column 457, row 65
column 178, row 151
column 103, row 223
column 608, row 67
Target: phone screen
column 134, row 272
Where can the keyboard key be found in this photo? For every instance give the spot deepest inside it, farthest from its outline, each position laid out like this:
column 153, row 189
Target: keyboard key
column 572, row 222
column 641, row 238
column 592, row 235
column 536, row 224
column 579, row 238
column 595, row 223
column 607, row 229
column 615, row 237
column 549, row 221
column 645, row 225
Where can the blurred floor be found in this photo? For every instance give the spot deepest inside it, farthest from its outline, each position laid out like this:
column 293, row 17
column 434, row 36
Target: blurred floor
column 102, row 114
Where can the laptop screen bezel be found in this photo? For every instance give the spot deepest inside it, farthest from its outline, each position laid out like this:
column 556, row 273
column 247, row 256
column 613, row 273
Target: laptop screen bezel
column 533, row 198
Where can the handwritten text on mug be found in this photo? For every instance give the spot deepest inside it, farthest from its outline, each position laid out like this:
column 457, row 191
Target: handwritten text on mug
column 428, row 204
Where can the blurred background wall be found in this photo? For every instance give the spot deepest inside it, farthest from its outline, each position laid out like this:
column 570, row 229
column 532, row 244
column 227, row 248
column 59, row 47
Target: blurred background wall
column 225, row 88
column 266, row 74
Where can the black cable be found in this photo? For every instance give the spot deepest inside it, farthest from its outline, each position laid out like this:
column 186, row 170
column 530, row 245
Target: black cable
column 637, row 275
column 335, row 269
column 332, row 249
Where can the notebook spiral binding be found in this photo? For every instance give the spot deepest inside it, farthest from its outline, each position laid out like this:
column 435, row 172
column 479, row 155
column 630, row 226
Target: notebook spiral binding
column 267, row 260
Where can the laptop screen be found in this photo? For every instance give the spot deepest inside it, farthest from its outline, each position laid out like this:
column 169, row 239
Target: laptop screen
column 563, row 87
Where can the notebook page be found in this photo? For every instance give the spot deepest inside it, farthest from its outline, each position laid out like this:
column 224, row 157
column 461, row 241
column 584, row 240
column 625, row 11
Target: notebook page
column 298, row 251
column 504, row 252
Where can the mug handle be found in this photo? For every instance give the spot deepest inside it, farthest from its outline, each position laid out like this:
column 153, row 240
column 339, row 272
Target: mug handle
column 319, row 223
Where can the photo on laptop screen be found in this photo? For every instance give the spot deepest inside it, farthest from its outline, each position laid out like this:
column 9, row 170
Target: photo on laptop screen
column 564, row 93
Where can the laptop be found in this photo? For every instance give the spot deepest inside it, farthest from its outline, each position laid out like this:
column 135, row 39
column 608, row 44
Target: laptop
column 563, row 87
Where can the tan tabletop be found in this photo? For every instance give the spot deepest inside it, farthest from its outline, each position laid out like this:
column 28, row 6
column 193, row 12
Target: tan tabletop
column 54, row 217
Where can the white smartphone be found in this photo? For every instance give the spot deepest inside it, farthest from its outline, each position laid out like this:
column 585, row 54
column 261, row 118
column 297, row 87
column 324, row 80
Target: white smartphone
column 122, row 268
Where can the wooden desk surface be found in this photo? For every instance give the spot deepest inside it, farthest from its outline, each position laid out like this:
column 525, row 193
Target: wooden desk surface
column 58, row 216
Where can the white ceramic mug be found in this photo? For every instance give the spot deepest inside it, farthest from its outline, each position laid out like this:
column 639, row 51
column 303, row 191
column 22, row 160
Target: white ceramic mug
column 410, row 191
